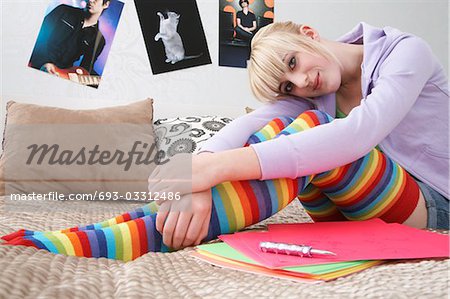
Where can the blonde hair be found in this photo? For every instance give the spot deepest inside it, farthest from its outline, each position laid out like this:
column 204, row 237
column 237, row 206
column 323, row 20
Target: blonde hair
column 269, row 46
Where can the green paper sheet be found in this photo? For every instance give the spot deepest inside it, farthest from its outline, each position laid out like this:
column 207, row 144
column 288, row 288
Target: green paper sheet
column 224, row 250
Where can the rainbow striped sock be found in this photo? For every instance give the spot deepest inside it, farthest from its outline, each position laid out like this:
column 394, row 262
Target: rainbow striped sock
column 146, row 210
column 124, row 241
column 316, row 203
column 130, row 235
column 240, row 204
column 373, row 186
column 319, row 206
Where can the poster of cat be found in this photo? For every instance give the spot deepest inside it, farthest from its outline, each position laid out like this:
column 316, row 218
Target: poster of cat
column 173, row 34
column 239, row 21
column 75, row 38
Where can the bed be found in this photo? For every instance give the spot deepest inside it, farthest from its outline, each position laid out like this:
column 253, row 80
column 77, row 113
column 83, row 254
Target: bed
column 31, row 273
column 26, row 272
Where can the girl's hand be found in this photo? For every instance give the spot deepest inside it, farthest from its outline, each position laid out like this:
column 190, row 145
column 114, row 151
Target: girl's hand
column 185, row 222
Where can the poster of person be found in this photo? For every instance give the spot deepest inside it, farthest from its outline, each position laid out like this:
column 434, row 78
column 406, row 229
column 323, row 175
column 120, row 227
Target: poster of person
column 173, row 34
column 239, row 21
column 75, row 39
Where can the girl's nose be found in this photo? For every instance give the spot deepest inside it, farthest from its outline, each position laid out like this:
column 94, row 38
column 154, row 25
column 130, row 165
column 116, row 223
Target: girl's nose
column 301, row 80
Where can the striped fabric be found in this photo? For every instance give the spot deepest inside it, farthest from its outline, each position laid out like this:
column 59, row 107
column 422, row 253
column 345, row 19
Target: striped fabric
column 373, row 186
column 124, row 237
column 132, row 234
column 319, row 206
column 271, row 130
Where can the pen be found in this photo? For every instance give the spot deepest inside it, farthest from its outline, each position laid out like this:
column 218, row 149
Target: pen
column 292, row 249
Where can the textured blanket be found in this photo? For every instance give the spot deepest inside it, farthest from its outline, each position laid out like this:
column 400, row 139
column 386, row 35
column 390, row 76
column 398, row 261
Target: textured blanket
column 31, row 273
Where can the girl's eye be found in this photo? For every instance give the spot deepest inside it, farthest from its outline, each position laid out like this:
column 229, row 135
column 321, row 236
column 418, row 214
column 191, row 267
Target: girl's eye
column 292, row 63
column 288, row 87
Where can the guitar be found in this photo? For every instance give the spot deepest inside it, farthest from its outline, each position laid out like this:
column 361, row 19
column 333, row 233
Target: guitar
column 79, row 75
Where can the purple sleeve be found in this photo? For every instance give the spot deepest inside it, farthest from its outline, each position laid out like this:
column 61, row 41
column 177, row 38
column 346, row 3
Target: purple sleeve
column 236, row 133
column 401, row 79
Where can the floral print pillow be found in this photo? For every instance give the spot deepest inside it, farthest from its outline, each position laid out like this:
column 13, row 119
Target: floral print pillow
column 186, row 134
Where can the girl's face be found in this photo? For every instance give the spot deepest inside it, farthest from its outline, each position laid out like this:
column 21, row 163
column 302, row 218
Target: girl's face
column 309, row 75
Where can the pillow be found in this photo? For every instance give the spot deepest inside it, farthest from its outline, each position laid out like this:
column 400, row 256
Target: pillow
column 48, row 149
column 186, row 134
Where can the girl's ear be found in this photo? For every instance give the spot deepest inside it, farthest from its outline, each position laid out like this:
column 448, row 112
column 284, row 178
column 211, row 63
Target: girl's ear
column 309, row 32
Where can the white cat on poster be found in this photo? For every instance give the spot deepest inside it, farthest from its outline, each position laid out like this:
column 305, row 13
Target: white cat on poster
column 173, row 44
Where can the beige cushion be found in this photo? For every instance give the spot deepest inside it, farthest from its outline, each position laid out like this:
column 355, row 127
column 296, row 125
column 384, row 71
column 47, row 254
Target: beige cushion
column 48, row 149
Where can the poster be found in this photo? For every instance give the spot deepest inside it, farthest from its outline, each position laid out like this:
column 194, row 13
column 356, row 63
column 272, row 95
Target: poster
column 239, row 21
column 75, row 39
column 173, row 34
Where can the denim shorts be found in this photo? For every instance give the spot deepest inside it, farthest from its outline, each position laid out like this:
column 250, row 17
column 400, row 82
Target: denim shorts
column 437, row 207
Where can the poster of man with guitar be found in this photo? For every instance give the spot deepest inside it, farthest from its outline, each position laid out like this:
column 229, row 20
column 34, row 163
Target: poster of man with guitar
column 75, row 38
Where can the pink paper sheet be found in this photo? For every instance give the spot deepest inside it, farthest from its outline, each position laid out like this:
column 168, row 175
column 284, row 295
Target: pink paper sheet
column 350, row 240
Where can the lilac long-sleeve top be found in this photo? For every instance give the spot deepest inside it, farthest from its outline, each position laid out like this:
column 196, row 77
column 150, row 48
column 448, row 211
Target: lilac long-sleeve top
column 404, row 110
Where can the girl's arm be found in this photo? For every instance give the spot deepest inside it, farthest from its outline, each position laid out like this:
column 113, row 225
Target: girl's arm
column 210, row 169
column 236, row 133
column 402, row 78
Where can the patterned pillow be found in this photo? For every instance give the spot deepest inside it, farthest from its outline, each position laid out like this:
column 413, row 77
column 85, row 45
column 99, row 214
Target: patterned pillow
column 186, row 134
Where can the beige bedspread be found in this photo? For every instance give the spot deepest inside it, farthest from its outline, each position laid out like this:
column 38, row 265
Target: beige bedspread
column 30, row 273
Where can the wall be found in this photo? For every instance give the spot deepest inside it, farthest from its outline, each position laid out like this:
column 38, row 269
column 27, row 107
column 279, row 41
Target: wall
column 201, row 90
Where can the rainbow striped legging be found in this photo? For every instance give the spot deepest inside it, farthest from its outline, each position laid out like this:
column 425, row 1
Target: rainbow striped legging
column 373, row 186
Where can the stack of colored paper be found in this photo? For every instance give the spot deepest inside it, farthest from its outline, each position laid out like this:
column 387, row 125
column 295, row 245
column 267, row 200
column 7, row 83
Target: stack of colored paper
column 358, row 245
column 223, row 255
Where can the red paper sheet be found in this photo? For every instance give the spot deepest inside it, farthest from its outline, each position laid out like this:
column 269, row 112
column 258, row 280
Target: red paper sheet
column 350, row 240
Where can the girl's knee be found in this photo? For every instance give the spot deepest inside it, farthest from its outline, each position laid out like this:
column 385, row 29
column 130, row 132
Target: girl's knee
column 315, row 117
